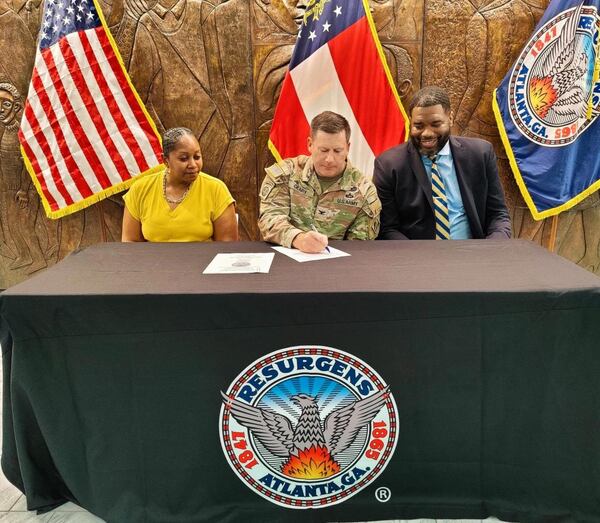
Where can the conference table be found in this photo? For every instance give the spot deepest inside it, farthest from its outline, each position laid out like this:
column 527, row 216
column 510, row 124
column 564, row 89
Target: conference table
column 126, row 370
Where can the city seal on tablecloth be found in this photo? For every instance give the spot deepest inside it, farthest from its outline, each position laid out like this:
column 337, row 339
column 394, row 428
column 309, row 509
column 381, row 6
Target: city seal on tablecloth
column 308, row 426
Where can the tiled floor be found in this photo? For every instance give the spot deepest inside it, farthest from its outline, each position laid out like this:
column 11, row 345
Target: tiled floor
column 13, row 506
column 13, row 509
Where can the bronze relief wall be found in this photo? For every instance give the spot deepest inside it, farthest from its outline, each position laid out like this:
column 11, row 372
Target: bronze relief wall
column 217, row 67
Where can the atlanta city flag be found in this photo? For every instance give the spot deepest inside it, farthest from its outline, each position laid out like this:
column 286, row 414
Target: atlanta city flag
column 338, row 65
column 547, row 109
column 84, row 133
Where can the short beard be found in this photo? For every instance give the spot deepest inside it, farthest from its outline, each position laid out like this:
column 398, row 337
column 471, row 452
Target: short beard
column 442, row 141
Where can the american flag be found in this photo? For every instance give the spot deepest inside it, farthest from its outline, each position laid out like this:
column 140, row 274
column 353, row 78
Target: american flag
column 338, row 65
column 85, row 133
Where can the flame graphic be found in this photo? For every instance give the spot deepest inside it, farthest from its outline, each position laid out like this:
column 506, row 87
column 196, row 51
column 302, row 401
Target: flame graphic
column 542, row 95
column 312, row 463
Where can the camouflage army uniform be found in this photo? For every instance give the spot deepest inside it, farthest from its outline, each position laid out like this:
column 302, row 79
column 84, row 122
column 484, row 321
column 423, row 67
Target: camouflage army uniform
column 291, row 202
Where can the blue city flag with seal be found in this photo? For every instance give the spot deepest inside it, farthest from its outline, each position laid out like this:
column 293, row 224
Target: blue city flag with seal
column 547, row 109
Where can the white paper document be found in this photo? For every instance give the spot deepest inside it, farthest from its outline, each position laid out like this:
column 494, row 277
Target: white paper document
column 328, row 254
column 240, row 263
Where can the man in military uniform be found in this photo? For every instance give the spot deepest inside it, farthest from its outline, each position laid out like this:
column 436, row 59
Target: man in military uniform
column 307, row 200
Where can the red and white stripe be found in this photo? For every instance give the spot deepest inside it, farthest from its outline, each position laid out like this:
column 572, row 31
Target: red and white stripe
column 83, row 130
column 346, row 76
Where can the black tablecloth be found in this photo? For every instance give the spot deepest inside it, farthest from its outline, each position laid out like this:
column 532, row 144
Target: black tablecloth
column 114, row 360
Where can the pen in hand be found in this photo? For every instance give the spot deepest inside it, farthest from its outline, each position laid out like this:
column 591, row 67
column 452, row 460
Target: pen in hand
column 313, row 228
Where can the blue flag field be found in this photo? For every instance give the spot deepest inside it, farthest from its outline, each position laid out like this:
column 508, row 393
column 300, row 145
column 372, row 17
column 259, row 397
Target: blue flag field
column 547, row 109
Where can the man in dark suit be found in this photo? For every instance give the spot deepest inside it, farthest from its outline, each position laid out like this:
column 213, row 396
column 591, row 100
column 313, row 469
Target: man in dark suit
column 437, row 185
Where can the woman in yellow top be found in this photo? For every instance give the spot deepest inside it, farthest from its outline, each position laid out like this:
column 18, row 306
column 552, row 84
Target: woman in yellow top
column 181, row 203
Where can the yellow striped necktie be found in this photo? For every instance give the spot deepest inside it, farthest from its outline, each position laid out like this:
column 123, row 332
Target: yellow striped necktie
column 440, row 203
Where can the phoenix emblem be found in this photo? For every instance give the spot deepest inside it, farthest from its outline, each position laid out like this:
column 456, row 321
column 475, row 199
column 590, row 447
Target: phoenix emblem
column 311, row 445
column 560, row 83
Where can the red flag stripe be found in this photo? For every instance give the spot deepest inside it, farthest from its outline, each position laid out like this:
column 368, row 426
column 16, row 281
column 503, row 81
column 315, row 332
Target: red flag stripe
column 39, row 135
column 134, row 147
column 319, row 89
column 39, row 139
column 379, row 124
column 289, row 122
column 128, row 93
column 94, row 172
column 48, row 118
column 75, row 68
column 38, row 171
column 108, row 107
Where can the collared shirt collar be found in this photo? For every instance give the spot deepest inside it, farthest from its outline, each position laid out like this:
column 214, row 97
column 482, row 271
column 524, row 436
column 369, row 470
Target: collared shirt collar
column 445, row 151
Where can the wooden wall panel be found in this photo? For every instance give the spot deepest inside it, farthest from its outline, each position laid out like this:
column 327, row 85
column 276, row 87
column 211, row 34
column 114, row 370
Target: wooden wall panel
column 217, row 67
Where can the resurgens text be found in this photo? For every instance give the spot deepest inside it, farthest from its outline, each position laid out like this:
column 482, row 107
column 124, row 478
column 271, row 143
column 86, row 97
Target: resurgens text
column 321, row 364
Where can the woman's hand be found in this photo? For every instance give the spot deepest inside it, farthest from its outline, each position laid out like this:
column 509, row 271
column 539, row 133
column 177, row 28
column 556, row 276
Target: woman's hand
column 225, row 227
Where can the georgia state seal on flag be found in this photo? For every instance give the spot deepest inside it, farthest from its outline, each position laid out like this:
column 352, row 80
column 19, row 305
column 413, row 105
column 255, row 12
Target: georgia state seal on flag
column 547, row 109
column 338, row 65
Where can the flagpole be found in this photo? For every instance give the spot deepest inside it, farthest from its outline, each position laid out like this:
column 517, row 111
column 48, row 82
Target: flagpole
column 100, row 207
column 553, row 232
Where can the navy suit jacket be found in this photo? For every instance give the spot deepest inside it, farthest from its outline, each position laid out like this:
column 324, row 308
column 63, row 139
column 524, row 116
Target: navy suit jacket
column 405, row 191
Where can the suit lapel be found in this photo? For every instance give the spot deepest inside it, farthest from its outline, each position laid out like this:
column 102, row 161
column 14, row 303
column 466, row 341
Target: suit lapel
column 418, row 169
column 460, row 157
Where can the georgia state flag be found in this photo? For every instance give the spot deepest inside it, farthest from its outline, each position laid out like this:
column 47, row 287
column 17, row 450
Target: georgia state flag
column 338, row 65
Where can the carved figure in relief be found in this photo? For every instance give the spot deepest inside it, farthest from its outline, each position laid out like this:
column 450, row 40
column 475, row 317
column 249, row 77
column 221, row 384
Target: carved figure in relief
column 270, row 79
column 402, row 69
column 17, row 47
column 185, row 77
column 31, row 12
column 122, row 17
column 277, row 17
column 489, row 55
column 19, row 200
column 172, row 69
column 397, row 19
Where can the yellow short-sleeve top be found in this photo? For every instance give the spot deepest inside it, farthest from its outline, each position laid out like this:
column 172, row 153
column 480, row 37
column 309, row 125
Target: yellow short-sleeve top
column 191, row 221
